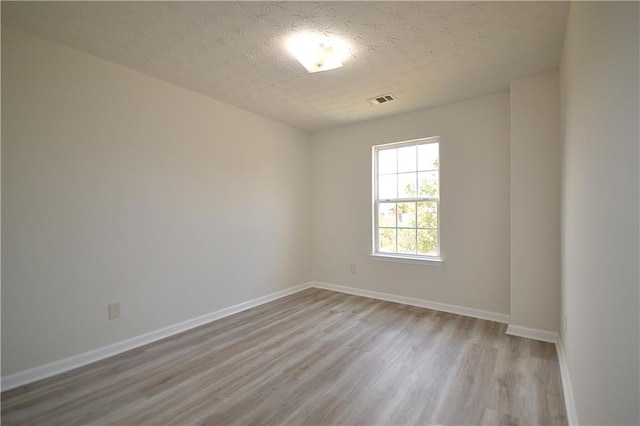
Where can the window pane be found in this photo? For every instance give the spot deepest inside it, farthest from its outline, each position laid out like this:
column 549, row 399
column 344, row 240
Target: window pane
column 428, row 157
column 407, row 185
column 387, row 240
column 407, row 241
column 407, row 215
column 407, row 159
column 428, row 215
column 387, row 214
column 428, row 241
column 428, row 184
column 388, row 187
column 407, row 172
column 387, row 162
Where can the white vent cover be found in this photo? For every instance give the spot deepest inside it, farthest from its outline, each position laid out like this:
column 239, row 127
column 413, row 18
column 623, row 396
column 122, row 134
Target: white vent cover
column 381, row 99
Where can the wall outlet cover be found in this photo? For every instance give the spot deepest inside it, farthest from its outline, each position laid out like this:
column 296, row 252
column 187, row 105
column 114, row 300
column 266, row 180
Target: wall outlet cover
column 114, row 310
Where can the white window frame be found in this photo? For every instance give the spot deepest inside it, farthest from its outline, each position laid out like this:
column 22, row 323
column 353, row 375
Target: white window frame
column 403, row 257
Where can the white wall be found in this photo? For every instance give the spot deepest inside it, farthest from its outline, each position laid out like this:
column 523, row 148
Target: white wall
column 118, row 187
column 599, row 84
column 535, row 202
column 474, row 148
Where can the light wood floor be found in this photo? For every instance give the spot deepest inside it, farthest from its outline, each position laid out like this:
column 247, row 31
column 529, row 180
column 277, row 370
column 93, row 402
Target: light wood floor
column 316, row 357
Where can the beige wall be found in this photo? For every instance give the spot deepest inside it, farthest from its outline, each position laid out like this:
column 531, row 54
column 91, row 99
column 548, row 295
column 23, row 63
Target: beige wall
column 118, row 187
column 474, row 205
column 535, row 202
column 599, row 83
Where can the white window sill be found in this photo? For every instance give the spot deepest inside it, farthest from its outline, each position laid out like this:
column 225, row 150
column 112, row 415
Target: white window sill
column 433, row 261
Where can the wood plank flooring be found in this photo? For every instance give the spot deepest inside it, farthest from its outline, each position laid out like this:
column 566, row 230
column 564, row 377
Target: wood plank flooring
column 316, row 357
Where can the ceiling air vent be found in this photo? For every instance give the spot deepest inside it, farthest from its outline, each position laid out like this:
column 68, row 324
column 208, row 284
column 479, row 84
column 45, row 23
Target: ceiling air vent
column 382, row 99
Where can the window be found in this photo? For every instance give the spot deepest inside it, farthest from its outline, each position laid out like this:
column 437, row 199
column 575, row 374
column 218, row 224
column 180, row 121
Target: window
column 406, row 200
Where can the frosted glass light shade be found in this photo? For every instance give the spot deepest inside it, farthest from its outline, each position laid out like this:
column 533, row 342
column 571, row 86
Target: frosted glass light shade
column 318, row 52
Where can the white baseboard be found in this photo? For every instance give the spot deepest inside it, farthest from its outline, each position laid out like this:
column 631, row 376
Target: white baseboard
column 532, row 333
column 552, row 337
column 514, row 330
column 47, row 370
column 567, row 388
column 421, row 303
column 66, row 364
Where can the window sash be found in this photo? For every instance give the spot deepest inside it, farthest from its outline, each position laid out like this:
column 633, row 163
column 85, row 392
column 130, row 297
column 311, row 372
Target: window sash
column 417, row 199
column 377, row 227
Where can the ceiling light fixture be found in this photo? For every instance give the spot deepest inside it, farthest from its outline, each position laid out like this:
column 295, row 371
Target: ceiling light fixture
column 318, row 52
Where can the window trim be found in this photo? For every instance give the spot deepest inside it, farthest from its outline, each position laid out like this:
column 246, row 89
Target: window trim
column 407, row 258
column 402, row 257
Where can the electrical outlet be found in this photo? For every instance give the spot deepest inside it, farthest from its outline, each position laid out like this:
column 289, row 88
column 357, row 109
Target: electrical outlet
column 352, row 268
column 114, row 310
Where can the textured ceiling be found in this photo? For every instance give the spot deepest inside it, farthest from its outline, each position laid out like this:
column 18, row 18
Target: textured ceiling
column 424, row 53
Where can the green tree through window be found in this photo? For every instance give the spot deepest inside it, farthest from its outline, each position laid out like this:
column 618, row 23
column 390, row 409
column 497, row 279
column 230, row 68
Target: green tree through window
column 407, row 197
